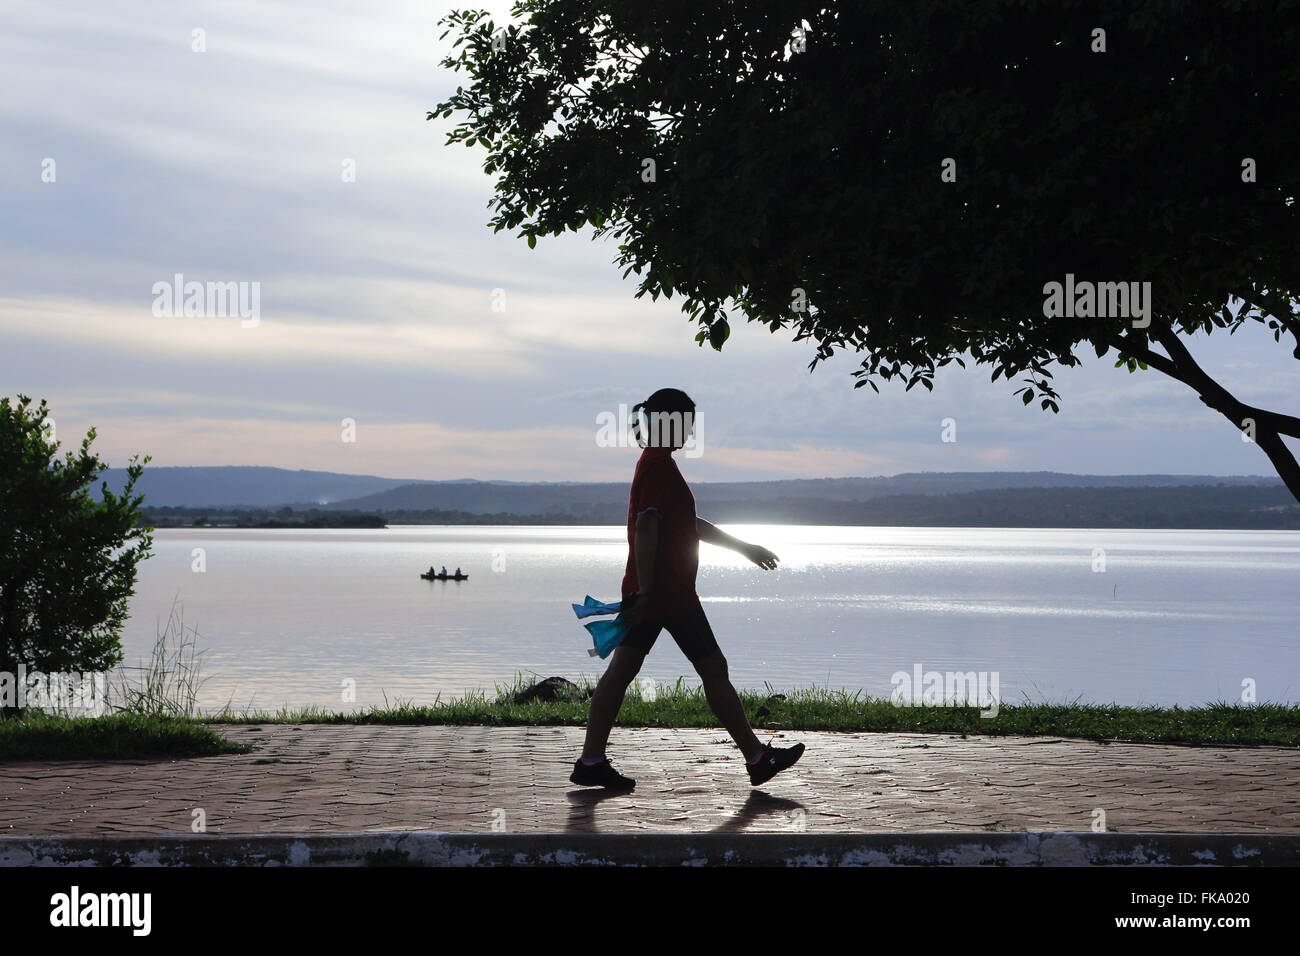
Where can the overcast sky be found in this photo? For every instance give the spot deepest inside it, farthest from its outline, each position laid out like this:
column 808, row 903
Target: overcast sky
column 376, row 295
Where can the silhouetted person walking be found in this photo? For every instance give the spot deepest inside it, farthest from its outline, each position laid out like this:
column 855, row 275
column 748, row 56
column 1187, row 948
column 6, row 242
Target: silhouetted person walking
column 664, row 535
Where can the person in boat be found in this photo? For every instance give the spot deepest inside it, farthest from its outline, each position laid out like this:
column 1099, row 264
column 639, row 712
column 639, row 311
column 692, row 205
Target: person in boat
column 458, row 574
column 444, row 570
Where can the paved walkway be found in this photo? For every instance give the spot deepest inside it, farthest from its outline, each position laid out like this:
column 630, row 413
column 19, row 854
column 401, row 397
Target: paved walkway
column 350, row 779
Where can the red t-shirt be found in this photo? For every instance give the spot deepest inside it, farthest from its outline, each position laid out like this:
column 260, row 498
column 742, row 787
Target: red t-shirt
column 658, row 485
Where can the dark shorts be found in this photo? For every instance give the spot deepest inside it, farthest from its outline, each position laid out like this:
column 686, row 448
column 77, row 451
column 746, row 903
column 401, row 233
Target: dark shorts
column 690, row 629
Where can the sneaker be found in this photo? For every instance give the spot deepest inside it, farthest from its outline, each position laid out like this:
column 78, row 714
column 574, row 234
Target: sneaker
column 599, row 775
column 772, row 762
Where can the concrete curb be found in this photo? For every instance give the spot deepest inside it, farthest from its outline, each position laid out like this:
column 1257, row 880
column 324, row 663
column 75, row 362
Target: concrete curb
column 661, row 849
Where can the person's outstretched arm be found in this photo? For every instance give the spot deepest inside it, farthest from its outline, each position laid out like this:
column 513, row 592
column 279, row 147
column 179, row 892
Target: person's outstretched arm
column 711, row 533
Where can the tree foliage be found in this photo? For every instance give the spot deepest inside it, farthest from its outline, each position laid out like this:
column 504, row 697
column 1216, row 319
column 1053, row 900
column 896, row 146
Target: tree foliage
column 67, row 559
column 798, row 150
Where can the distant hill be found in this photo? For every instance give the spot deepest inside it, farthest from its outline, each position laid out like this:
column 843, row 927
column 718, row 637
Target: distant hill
column 1257, row 507
column 1015, row 499
column 249, row 487
column 488, row 497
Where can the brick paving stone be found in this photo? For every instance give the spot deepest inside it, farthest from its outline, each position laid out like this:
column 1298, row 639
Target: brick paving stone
column 331, row 778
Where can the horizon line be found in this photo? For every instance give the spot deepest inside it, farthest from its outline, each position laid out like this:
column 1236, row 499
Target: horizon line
column 541, row 481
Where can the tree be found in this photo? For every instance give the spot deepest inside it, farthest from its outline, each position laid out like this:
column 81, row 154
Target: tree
column 905, row 180
column 67, row 561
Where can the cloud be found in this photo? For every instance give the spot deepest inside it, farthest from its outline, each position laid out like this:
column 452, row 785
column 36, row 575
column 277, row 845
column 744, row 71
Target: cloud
column 277, row 340
column 377, row 294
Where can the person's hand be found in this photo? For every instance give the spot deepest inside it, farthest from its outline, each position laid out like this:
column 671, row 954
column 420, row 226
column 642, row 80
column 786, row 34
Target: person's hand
column 764, row 558
column 636, row 613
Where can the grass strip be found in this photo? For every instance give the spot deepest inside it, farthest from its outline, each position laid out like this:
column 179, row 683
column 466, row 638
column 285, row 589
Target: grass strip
column 1214, row 724
column 36, row 736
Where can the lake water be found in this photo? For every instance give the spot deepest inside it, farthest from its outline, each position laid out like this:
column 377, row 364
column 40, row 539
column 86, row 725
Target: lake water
column 286, row 617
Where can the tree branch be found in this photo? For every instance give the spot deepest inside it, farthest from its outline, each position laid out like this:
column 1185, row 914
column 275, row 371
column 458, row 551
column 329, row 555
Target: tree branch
column 1271, row 305
column 1214, row 394
column 1127, row 345
column 1270, row 426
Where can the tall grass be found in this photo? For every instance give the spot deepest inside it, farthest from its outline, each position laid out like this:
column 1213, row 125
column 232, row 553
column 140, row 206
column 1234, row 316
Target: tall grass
column 168, row 684
column 152, row 710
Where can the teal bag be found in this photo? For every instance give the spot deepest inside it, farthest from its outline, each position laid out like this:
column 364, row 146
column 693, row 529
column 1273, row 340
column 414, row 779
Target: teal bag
column 605, row 635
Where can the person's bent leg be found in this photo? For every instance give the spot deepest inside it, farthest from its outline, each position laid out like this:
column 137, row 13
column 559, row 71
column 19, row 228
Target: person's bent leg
column 762, row 763
column 725, row 702
column 608, row 698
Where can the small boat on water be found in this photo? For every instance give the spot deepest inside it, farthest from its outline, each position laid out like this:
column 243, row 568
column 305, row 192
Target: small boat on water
column 444, row 576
